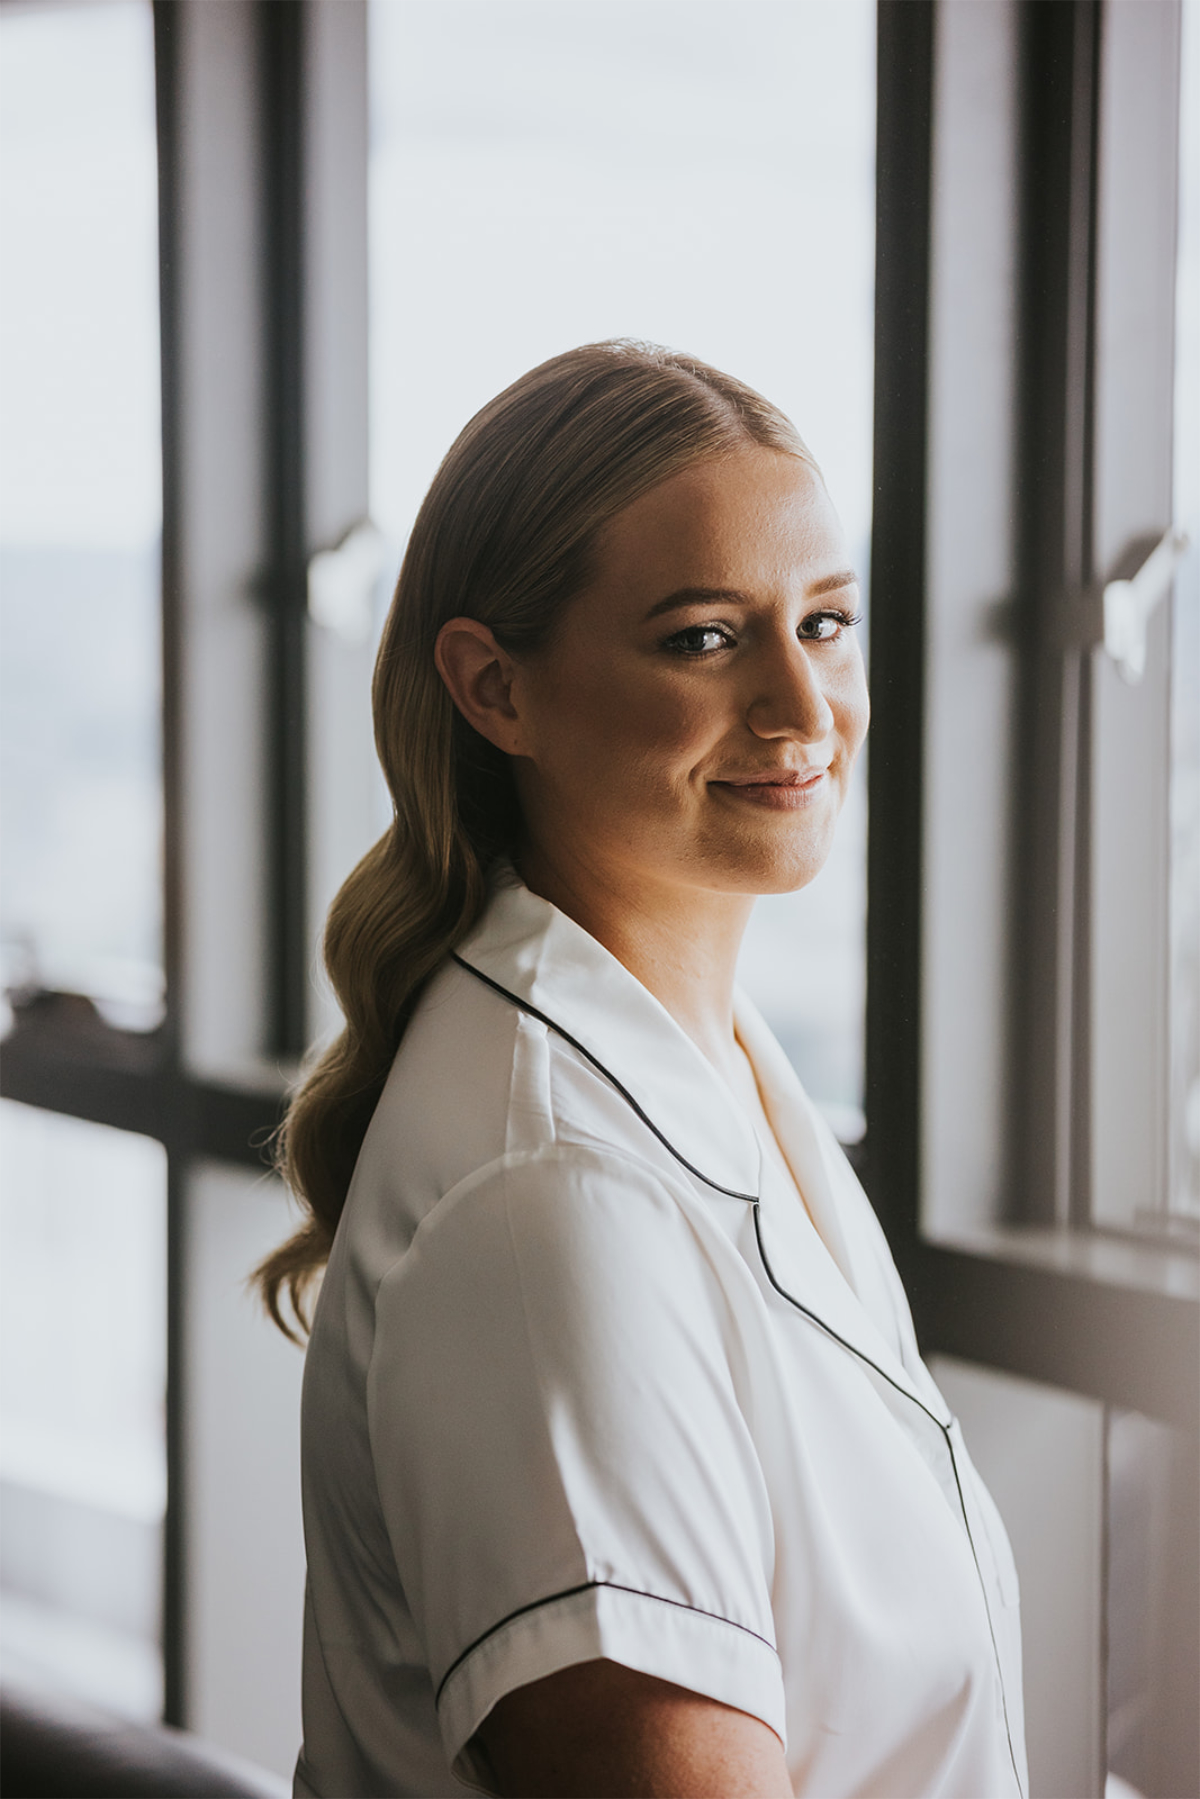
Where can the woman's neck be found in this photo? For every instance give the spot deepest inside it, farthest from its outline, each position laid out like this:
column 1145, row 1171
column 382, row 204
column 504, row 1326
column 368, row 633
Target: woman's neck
column 680, row 942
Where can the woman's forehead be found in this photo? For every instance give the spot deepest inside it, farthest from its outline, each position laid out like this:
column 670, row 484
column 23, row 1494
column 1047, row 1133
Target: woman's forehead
column 754, row 515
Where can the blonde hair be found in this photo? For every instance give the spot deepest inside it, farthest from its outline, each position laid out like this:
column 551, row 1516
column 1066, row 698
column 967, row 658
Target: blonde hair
column 505, row 536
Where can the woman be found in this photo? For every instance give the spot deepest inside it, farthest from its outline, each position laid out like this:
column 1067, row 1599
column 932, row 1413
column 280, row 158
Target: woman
column 622, row 1474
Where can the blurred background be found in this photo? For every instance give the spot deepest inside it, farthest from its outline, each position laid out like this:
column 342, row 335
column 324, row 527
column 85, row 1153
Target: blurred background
column 261, row 259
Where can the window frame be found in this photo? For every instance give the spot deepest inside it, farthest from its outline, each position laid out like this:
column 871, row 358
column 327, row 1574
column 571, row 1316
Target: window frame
column 982, row 1000
column 262, row 138
column 1021, row 1281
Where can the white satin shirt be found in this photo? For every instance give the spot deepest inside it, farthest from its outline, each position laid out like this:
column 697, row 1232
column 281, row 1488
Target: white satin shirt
column 587, row 1379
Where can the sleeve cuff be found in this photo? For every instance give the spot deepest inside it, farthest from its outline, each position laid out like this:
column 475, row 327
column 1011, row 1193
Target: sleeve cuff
column 694, row 1649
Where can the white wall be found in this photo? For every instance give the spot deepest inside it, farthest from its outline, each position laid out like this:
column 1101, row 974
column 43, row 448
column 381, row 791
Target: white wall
column 245, row 1552
column 1041, row 1452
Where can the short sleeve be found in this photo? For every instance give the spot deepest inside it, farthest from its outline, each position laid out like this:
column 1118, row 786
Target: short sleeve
column 564, row 1463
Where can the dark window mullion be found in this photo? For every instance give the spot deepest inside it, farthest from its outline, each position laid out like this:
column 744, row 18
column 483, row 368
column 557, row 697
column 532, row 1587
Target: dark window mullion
column 898, row 547
column 1047, row 1179
column 167, row 102
column 281, row 53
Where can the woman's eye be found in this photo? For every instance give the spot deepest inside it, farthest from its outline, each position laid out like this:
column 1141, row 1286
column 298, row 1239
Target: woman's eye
column 698, row 640
column 822, row 627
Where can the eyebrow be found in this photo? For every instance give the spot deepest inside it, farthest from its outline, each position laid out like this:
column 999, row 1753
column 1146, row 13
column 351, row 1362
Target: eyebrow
column 701, row 596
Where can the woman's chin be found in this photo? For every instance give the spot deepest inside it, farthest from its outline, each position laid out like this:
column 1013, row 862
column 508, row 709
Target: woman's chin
column 789, row 879
column 763, row 869
column 786, row 857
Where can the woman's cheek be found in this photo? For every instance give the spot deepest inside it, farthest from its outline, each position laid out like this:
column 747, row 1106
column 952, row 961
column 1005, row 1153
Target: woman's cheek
column 649, row 720
column 851, row 704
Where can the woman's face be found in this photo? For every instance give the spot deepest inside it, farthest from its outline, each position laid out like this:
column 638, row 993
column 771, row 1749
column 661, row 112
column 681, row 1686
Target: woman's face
column 696, row 715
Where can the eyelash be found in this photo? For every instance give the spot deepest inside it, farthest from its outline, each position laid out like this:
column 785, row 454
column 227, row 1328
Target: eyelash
column 845, row 621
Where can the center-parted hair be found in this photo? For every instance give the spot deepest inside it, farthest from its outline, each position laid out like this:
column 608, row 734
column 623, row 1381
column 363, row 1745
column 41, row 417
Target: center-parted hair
column 506, row 535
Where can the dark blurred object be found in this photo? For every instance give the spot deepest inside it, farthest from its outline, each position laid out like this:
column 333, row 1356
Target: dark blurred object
column 55, row 1747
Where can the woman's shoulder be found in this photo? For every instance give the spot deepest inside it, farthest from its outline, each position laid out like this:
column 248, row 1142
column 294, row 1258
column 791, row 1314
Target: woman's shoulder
column 479, row 1085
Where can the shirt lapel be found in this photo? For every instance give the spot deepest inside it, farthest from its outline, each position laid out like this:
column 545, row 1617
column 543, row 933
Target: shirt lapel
column 543, row 961
column 546, row 962
column 846, row 1278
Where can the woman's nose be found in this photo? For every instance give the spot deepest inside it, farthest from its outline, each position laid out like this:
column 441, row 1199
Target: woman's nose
column 790, row 700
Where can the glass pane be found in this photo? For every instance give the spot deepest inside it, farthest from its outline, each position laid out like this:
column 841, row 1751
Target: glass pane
column 80, row 503
column 696, row 172
column 82, row 1387
column 1185, row 657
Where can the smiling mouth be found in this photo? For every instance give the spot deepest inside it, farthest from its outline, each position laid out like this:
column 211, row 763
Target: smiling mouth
column 789, row 790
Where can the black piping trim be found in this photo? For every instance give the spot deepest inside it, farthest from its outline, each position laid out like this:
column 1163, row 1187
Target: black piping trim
column 1012, row 1754
column 815, row 1318
column 945, row 1430
column 523, row 1005
column 589, row 1586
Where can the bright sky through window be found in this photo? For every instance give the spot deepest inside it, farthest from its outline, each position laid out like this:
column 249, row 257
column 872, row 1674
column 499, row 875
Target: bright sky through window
column 695, row 172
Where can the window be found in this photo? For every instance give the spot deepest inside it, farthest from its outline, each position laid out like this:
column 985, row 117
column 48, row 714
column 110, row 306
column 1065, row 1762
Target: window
column 1018, row 960
column 1133, row 800
column 534, row 185
column 142, row 982
column 81, row 905
column 83, row 1451
column 1038, row 841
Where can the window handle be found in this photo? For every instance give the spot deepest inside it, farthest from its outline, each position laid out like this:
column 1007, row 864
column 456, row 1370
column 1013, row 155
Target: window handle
column 342, row 583
column 1129, row 603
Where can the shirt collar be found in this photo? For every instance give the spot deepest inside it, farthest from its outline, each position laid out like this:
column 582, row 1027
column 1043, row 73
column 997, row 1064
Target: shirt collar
column 550, row 964
column 547, row 963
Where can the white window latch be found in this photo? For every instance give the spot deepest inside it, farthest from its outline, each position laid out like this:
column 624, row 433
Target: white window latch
column 342, row 583
column 1128, row 604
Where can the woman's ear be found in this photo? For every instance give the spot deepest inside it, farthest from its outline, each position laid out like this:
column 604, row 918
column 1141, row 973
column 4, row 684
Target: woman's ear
column 479, row 677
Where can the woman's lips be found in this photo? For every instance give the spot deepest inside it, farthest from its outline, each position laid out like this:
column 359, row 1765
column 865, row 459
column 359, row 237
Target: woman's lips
column 789, row 791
